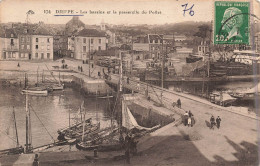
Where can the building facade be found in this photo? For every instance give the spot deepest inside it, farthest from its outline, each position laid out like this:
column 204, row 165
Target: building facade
column 60, row 46
column 24, row 46
column 88, row 41
column 152, row 43
column 9, row 47
column 42, row 47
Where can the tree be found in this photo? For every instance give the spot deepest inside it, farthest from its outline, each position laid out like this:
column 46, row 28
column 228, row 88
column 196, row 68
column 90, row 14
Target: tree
column 203, row 31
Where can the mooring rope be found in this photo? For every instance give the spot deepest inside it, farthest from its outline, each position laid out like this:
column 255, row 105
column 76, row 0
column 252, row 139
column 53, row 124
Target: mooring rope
column 42, row 123
column 8, row 136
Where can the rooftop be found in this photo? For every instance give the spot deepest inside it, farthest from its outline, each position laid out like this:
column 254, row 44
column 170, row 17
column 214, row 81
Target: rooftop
column 91, row 33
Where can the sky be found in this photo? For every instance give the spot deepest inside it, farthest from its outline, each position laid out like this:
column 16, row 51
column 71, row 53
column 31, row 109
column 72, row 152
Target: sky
column 171, row 11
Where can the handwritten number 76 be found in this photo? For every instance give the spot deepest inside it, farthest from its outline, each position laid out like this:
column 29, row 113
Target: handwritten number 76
column 189, row 9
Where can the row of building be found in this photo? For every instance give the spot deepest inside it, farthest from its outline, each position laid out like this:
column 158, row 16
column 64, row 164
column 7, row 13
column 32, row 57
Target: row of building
column 29, row 42
column 76, row 40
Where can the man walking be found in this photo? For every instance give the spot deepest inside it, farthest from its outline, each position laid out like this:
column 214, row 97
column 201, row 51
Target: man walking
column 212, row 122
column 186, row 116
column 218, row 120
column 179, row 103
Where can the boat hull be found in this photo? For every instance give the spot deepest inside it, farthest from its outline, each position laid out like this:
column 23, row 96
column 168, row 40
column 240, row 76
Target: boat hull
column 37, row 92
column 100, row 147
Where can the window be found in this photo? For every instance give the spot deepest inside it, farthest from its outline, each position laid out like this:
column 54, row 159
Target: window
column 84, row 49
column 22, row 39
column 36, row 55
column 22, row 47
column 48, row 55
column 9, row 54
column 28, row 39
column 48, row 40
column 28, row 47
column 99, row 47
column 92, row 41
column 48, row 47
column 12, row 41
column 13, row 55
column 12, row 35
column 42, row 47
column 153, row 48
column 84, row 40
column 199, row 48
column 26, row 55
column 22, row 55
column 36, row 46
column 36, row 39
column 42, row 55
column 99, row 41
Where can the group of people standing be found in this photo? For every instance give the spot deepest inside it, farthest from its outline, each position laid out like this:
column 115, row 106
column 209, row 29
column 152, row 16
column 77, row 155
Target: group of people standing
column 80, row 68
column 213, row 122
column 188, row 119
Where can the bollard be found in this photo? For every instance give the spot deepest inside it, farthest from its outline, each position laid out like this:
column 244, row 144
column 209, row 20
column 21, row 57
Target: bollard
column 95, row 153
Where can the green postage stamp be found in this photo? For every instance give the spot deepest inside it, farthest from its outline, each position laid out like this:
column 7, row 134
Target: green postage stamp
column 231, row 25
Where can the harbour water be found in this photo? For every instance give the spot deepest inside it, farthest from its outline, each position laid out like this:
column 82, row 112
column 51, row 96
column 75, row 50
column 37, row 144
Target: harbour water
column 48, row 114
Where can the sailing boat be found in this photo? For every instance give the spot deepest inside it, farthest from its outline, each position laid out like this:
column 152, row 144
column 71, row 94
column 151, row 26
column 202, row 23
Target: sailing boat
column 37, row 90
column 111, row 139
column 247, row 94
column 107, row 139
column 18, row 149
column 77, row 129
column 57, row 85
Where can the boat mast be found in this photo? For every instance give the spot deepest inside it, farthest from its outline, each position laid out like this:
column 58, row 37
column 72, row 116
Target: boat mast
column 16, row 133
column 89, row 57
column 83, row 127
column 120, row 89
column 27, row 128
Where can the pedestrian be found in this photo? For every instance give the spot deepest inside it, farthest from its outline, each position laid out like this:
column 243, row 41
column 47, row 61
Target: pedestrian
column 190, row 114
column 212, row 122
column 81, row 69
column 189, row 121
column 179, row 103
column 186, row 116
column 138, row 86
column 127, row 80
column 149, row 98
column 192, row 120
column 218, row 120
column 36, row 160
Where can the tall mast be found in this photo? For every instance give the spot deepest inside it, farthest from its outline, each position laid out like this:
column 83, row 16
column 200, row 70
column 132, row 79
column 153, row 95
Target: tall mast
column 27, row 128
column 83, row 127
column 162, row 64
column 89, row 57
column 16, row 133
